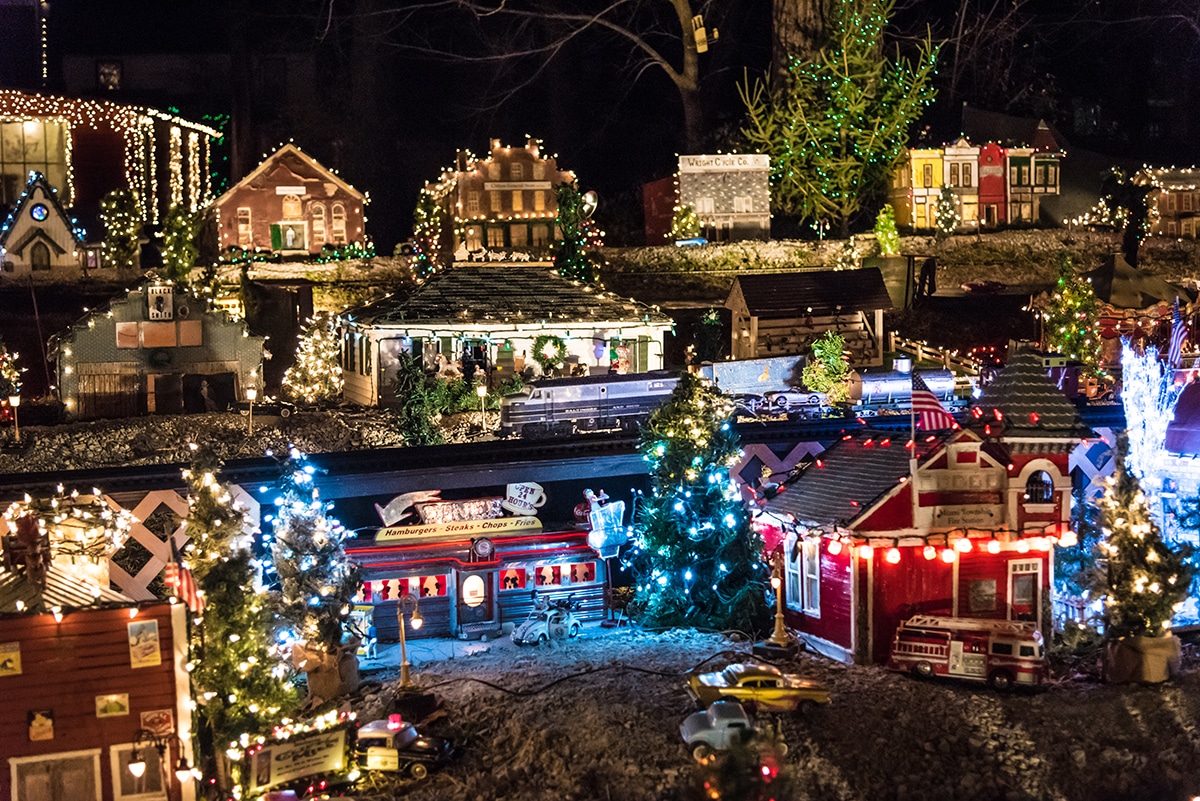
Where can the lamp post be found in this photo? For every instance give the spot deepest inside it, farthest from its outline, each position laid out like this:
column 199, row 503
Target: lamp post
column 481, row 391
column 405, row 601
column 779, row 637
column 15, row 402
column 251, row 394
column 146, row 738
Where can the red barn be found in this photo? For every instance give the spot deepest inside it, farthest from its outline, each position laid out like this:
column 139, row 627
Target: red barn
column 966, row 528
column 82, row 670
column 993, row 187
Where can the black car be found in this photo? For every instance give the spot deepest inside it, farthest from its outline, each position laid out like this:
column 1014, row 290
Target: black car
column 399, row 747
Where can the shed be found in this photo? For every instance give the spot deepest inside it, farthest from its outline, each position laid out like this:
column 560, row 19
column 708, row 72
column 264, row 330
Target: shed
column 780, row 314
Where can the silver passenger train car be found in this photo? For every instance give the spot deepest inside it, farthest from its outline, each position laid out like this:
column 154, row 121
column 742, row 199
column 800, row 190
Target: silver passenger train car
column 565, row 406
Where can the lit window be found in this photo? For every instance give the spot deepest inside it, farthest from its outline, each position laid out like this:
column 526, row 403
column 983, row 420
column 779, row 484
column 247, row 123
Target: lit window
column 496, row 203
column 518, row 201
column 539, row 201
column 339, row 224
column 291, row 208
column 1039, row 488
column 318, row 222
column 245, row 233
column 516, row 171
column 495, row 237
column 473, row 202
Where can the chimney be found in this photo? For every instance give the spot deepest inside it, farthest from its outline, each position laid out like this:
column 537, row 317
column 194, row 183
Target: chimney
column 495, row 145
column 531, row 144
column 460, row 161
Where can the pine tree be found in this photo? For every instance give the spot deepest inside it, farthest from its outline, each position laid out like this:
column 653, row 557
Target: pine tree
column 945, row 215
column 427, row 232
column 417, row 407
column 885, row 231
column 316, row 377
column 571, row 258
column 238, row 681
column 122, row 221
column 696, row 560
column 1147, row 581
column 827, row 370
column 10, row 374
column 684, row 223
column 317, row 580
column 179, row 243
column 838, row 127
column 1071, row 318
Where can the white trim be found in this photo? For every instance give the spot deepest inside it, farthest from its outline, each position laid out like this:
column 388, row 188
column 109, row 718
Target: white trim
column 870, row 603
column 164, row 776
column 14, row 762
column 954, row 583
column 826, row 648
column 810, row 556
column 1035, row 563
column 183, row 685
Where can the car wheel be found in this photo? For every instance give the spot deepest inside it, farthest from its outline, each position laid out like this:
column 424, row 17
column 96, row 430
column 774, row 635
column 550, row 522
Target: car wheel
column 418, row 771
column 701, row 752
column 574, row 632
column 1001, row 680
column 541, row 639
column 923, row 670
column 781, row 749
column 808, row 705
column 285, row 412
column 244, row 412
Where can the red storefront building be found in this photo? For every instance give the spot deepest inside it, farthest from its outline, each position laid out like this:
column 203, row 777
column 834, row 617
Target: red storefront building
column 967, row 528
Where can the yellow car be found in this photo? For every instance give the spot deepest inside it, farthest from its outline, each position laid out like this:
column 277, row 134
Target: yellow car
column 762, row 686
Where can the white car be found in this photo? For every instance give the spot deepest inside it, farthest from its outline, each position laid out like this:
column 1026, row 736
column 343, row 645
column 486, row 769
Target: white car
column 794, row 399
column 542, row 624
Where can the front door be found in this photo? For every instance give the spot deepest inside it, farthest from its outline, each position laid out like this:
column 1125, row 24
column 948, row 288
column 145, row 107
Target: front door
column 1024, row 590
column 476, row 601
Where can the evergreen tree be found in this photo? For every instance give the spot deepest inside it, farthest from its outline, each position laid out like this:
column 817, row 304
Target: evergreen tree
column 179, row 250
column 885, row 231
column 317, row 580
column 1147, row 582
column 10, row 374
column 1071, row 318
column 427, row 233
column 571, row 258
column 122, row 221
column 1128, row 195
column 417, row 404
column 710, row 339
column 684, row 223
column 945, row 215
column 826, row 370
column 838, row 127
column 316, row 377
column 238, row 681
column 696, row 560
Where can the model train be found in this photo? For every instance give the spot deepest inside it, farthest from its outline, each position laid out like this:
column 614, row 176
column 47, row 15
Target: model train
column 765, row 388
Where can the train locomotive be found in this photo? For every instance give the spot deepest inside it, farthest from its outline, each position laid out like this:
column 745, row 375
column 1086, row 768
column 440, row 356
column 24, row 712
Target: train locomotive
column 760, row 388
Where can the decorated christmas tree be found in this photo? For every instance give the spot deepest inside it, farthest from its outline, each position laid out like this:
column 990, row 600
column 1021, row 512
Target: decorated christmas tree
column 945, row 215
column 316, row 376
column 885, row 231
column 10, row 374
column 427, row 231
column 1147, row 581
column 684, row 223
column 826, row 370
column 121, row 218
column 179, row 250
column 239, row 682
column 571, row 258
column 1070, row 318
column 695, row 558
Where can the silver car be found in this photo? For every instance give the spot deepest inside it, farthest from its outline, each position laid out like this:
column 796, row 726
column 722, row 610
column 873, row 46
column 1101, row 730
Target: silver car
column 542, row 624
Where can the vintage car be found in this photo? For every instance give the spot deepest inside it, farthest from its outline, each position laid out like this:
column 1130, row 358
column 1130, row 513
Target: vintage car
column 761, row 686
column 544, row 623
column 397, row 746
column 722, row 726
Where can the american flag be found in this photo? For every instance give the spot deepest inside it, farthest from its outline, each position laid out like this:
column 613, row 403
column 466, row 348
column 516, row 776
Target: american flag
column 179, row 578
column 1179, row 333
column 930, row 414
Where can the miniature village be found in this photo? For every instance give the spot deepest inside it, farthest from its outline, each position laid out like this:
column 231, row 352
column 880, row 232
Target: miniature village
column 835, row 442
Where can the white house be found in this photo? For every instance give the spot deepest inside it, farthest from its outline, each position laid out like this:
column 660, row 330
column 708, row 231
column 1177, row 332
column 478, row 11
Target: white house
column 38, row 239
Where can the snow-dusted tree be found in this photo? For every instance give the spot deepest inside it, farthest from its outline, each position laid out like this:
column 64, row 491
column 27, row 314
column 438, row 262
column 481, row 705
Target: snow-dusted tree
column 316, row 376
column 826, row 370
column 945, row 215
column 1149, row 393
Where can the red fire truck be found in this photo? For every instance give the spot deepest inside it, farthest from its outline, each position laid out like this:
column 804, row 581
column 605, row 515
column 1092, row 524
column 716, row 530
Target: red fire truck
column 1003, row 653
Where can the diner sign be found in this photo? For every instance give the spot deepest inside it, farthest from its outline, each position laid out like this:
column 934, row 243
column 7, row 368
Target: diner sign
column 461, row 529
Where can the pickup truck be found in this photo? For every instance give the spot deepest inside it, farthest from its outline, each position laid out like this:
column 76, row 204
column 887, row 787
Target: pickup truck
column 720, row 727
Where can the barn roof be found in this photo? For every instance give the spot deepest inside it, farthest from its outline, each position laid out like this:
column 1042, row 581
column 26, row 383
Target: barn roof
column 63, row 590
column 826, row 292
column 848, row 478
column 1029, row 402
column 505, row 295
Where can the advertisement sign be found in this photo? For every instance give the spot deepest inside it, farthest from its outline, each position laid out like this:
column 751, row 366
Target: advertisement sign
column 461, row 530
column 143, row 644
column 310, row 755
column 10, row 659
column 967, row 516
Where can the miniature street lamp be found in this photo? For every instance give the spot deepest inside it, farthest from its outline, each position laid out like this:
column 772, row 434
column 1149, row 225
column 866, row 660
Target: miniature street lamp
column 779, row 643
column 481, row 391
column 15, row 401
column 405, row 601
column 145, row 737
column 251, row 394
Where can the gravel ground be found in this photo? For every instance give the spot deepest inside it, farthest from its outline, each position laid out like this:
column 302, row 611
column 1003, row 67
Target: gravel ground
column 612, row 734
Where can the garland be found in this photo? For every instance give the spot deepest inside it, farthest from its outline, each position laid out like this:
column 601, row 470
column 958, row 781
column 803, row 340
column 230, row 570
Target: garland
column 548, row 363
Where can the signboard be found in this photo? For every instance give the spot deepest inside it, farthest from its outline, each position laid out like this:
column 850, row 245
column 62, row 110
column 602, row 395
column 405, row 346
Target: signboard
column 470, row 509
column 461, row 529
column 289, row 190
column 733, row 161
column 383, row 758
column 309, row 755
column 967, row 516
column 160, row 301
column 515, row 185
column 608, row 532
column 10, row 659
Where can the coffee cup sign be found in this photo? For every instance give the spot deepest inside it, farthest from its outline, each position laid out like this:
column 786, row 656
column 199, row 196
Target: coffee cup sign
column 524, row 498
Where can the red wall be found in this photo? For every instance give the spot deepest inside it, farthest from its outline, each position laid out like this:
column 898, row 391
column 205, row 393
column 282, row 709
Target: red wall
column 64, row 667
column 836, row 621
column 914, row 586
column 98, row 159
column 991, row 184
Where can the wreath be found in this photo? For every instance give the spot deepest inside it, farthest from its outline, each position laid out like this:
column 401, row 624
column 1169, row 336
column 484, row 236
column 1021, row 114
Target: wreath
column 550, row 352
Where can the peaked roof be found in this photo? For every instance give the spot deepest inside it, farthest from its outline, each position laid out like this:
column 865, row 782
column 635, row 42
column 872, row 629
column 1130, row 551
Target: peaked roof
column 1012, row 131
column 36, row 179
column 511, row 295
column 1029, row 402
column 273, row 159
column 1118, row 284
column 63, row 590
column 825, row 291
column 847, row 479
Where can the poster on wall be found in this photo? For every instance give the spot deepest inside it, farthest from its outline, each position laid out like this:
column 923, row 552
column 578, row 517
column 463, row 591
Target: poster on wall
column 143, row 644
column 159, row 722
column 112, row 706
column 41, row 724
column 160, row 299
column 10, row 659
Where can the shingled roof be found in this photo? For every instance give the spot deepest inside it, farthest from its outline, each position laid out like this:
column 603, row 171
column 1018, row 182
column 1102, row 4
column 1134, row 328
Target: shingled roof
column 1118, row 284
column 1030, row 403
column 825, row 291
column 62, row 591
column 512, row 295
column 850, row 477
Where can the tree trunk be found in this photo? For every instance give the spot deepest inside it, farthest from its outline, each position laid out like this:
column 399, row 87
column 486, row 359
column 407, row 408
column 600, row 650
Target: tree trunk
column 798, row 30
column 693, row 119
